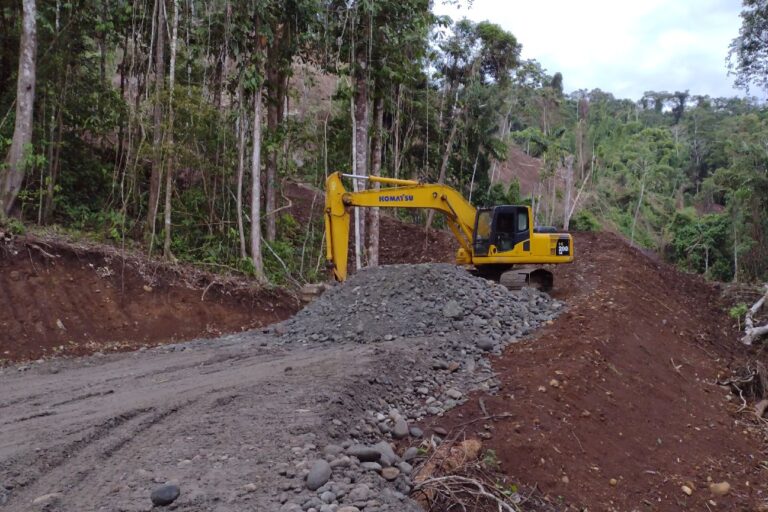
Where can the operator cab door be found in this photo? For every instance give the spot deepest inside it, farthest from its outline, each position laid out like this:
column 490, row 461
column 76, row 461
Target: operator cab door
column 503, row 227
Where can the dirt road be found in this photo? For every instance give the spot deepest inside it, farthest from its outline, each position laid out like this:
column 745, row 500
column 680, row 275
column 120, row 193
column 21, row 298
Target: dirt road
column 104, row 432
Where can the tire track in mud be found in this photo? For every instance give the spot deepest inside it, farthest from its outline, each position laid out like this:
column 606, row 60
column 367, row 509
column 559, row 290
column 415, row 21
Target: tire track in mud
column 229, row 417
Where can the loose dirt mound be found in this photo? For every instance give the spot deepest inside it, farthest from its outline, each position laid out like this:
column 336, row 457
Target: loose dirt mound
column 615, row 405
column 61, row 299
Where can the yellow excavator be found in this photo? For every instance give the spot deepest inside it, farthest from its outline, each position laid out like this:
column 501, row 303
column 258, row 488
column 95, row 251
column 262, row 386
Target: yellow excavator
column 501, row 243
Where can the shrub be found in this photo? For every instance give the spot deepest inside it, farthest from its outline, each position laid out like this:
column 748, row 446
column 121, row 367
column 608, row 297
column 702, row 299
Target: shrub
column 584, row 220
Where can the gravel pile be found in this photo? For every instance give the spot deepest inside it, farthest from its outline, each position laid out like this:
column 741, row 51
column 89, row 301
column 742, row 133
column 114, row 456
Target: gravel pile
column 396, row 301
column 448, row 320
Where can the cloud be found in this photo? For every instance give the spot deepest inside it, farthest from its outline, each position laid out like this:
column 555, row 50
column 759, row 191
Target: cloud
column 621, row 47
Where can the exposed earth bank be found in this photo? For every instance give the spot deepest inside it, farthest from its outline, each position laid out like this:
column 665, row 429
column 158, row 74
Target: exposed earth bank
column 615, row 406
column 60, row 298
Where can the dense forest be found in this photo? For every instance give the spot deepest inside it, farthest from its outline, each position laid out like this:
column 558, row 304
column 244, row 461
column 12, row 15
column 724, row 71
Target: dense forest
column 169, row 126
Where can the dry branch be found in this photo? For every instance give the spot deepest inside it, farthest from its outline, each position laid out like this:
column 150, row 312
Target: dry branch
column 452, row 486
column 752, row 332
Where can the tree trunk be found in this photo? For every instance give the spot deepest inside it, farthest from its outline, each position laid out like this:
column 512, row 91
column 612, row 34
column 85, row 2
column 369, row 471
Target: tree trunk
column 12, row 176
column 735, row 253
column 376, row 150
column 241, row 169
column 503, row 132
column 578, row 194
column 258, row 263
column 54, row 164
column 396, row 132
column 444, row 164
column 553, row 198
column 474, row 171
column 274, row 103
column 751, row 333
column 362, row 122
column 637, row 210
column 568, row 192
column 157, row 137
column 171, row 153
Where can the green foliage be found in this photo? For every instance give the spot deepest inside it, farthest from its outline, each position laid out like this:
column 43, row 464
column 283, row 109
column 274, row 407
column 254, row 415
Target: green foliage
column 738, row 312
column 13, row 226
column 700, row 243
column 748, row 56
column 490, row 460
column 106, row 225
column 584, row 220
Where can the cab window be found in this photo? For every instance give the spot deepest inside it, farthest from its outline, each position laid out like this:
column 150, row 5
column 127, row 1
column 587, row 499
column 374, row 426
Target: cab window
column 482, row 240
column 522, row 221
column 483, row 226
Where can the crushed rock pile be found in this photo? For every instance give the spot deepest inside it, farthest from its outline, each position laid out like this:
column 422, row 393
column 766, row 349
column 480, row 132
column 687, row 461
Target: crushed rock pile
column 395, row 301
column 452, row 320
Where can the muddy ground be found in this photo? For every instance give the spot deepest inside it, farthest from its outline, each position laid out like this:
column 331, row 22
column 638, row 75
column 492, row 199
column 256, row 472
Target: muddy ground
column 100, row 434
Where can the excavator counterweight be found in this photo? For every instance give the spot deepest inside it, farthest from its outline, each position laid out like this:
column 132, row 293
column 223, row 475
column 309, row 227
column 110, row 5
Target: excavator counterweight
column 501, row 243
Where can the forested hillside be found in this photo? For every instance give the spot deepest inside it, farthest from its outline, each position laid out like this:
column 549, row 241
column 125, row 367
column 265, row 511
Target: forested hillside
column 171, row 125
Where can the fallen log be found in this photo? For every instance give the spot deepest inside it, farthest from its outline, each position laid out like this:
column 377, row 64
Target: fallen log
column 752, row 332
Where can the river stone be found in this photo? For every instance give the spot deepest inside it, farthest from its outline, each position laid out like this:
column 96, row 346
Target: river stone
column 318, row 474
column 364, row 453
column 359, row 493
column 333, row 450
column 165, row 495
column 401, row 429
column 486, row 344
column 388, row 457
column 410, row 454
column 417, row 432
column 46, row 499
column 371, row 466
column 390, row 473
column 454, row 393
column 405, row 468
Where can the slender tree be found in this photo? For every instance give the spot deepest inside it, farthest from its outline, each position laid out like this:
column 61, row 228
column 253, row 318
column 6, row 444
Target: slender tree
column 171, row 149
column 12, row 176
column 155, row 178
column 376, row 151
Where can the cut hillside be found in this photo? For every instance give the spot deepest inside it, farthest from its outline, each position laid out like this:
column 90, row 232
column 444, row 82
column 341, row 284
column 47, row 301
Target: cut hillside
column 615, row 406
column 522, row 167
column 59, row 298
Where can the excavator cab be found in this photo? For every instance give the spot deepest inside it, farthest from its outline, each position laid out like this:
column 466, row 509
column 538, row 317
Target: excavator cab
column 502, row 227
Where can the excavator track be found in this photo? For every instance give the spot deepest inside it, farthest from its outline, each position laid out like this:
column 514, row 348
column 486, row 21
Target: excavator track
column 528, row 276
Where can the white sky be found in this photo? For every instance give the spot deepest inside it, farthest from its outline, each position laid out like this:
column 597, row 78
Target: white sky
column 621, row 47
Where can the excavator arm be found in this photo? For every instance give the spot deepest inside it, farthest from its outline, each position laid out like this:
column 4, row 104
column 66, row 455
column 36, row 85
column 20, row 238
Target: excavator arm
column 459, row 213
